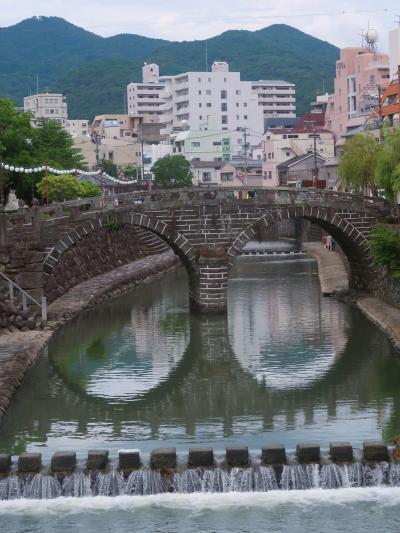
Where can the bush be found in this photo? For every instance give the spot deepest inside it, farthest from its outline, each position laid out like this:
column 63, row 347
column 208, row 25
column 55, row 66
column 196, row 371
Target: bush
column 66, row 187
column 385, row 244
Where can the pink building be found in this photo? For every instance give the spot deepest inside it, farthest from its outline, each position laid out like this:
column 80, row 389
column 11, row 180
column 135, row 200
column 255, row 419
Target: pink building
column 361, row 75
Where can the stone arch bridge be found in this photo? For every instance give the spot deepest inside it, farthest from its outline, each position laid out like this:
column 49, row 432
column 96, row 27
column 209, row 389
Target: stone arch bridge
column 206, row 228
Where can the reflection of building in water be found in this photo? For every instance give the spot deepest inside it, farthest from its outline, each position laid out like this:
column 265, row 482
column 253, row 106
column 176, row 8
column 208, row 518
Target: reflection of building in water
column 281, row 328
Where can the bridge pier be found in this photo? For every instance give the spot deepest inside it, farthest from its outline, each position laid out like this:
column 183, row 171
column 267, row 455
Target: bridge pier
column 208, row 287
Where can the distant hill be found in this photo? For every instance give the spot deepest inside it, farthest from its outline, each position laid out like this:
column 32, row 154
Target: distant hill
column 93, row 71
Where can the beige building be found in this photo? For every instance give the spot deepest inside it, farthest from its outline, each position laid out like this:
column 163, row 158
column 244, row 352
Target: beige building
column 145, row 98
column 78, row 128
column 47, row 106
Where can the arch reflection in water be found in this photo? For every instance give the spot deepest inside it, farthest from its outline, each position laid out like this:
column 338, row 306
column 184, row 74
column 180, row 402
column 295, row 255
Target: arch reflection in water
column 124, row 353
column 206, row 393
column 283, row 334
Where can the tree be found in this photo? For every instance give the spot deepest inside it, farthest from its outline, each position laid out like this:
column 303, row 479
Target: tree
column 388, row 164
column 130, row 171
column 16, row 147
column 357, row 168
column 172, row 171
column 109, row 167
column 66, row 187
column 54, row 145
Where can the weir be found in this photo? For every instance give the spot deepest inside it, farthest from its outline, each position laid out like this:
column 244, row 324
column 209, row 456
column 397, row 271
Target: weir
column 200, row 472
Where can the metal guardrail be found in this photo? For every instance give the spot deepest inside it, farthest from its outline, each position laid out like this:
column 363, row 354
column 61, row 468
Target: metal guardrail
column 25, row 297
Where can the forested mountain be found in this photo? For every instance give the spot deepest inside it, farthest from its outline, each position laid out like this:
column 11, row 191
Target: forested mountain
column 93, row 71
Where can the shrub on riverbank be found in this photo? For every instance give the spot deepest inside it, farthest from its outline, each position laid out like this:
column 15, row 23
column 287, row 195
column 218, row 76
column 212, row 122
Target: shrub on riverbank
column 385, row 244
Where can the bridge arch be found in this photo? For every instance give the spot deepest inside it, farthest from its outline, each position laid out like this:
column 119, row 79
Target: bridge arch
column 164, row 231
column 350, row 230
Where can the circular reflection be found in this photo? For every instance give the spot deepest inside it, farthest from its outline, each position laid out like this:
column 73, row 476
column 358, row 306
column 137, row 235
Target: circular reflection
column 121, row 358
column 282, row 331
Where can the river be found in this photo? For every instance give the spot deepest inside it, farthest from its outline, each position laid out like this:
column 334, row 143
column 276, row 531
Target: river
column 285, row 365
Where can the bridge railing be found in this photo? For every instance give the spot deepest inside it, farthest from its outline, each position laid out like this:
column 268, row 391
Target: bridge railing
column 21, row 298
column 279, row 196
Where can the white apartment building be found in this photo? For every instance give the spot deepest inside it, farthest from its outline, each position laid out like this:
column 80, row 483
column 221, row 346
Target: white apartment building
column 216, row 100
column 47, row 106
column 78, row 128
column 145, row 98
column 277, row 98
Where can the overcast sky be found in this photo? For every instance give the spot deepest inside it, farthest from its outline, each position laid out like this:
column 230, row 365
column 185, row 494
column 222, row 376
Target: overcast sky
column 187, row 19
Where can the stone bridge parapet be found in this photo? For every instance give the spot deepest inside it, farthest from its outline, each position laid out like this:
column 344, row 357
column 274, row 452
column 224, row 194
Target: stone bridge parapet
column 206, row 227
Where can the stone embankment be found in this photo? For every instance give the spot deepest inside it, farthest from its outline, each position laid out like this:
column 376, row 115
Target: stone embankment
column 334, row 280
column 20, row 349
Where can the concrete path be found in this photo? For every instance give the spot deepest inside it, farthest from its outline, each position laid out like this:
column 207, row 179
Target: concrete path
column 20, row 349
column 332, row 273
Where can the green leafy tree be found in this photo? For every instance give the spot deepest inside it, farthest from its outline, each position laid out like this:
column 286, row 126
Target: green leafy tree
column 388, row 164
column 88, row 189
column 109, row 167
column 357, row 167
column 385, row 245
column 16, row 146
column 66, row 187
column 172, row 171
column 130, row 171
column 54, row 145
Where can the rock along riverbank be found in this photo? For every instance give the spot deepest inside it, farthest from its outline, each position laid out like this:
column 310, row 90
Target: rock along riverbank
column 334, row 280
column 19, row 350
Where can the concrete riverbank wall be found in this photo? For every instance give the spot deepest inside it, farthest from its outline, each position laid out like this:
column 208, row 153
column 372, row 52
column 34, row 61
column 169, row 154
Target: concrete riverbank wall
column 20, row 349
column 334, row 281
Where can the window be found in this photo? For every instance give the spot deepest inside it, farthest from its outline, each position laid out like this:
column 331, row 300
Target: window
column 206, row 176
column 238, row 92
column 200, row 104
column 245, row 117
column 195, row 144
column 270, row 174
column 199, row 92
column 237, row 117
column 287, row 154
column 224, row 95
column 226, row 176
column 200, row 117
column 269, row 155
column 224, row 107
column 245, row 104
column 208, row 104
column 208, row 92
column 224, row 119
column 199, row 80
column 217, row 143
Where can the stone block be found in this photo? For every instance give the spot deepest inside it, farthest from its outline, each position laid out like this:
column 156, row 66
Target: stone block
column 200, row 457
column 129, row 459
column 274, row 454
column 341, row 452
column 5, row 463
column 375, row 451
column 163, row 458
column 308, row 453
column 29, row 462
column 97, row 459
column 237, row 456
column 29, row 280
column 63, row 462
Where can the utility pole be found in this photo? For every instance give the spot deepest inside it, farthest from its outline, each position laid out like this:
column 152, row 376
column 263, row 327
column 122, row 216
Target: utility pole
column 314, row 136
column 246, row 146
